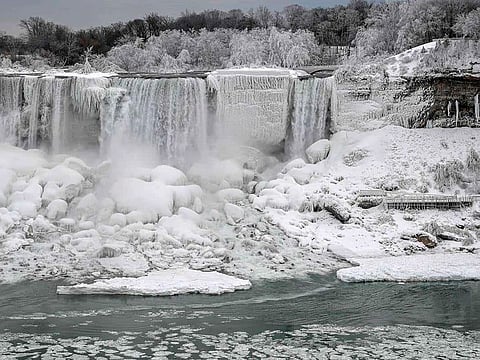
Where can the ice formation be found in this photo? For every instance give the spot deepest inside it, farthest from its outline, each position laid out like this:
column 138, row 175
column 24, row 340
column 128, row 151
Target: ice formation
column 162, row 283
column 311, row 106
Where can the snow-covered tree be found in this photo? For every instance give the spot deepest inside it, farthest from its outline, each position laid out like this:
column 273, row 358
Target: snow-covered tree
column 469, row 25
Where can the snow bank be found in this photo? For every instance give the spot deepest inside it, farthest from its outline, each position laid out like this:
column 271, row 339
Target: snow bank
column 162, row 283
column 432, row 267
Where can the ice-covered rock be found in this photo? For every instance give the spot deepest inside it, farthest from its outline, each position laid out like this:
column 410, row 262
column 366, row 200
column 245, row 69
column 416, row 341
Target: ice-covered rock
column 27, row 209
column 57, row 209
column 318, row 151
column 62, row 176
column 87, row 206
column 184, row 196
column 162, row 283
column 168, row 175
column 137, row 195
column 234, row 212
column 118, row 219
column 230, row 195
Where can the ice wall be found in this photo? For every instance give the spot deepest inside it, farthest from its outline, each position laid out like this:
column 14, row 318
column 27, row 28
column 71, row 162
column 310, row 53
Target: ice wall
column 264, row 108
column 11, row 90
column 252, row 106
column 310, row 114
column 170, row 114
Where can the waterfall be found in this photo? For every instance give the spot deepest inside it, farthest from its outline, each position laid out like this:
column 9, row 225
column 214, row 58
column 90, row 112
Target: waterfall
column 170, row 114
column 11, row 90
column 252, row 106
column 263, row 108
column 311, row 104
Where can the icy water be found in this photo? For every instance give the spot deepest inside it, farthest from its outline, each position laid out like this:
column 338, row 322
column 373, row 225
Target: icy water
column 315, row 318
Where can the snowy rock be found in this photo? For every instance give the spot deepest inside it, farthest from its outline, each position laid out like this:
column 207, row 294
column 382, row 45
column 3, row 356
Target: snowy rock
column 67, row 224
column 294, row 164
column 62, row 176
column 190, row 215
column 118, row 219
column 51, row 192
column 168, row 175
column 86, row 225
column 57, row 209
column 87, row 206
column 143, row 217
column 230, row 195
column 337, row 208
column 162, row 283
column 234, row 212
column 137, row 195
column 184, row 196
column 318, row 151
column 25, row 208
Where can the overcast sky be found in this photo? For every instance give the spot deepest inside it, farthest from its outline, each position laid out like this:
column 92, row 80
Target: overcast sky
column 86, row 13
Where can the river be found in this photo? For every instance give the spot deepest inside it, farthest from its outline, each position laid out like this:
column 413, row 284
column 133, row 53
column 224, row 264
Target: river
column 313, row 318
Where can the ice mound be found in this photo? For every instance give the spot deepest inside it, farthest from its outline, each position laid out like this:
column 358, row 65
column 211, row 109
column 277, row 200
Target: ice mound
column 162, row 283
column 137, row 195
column 432, row 267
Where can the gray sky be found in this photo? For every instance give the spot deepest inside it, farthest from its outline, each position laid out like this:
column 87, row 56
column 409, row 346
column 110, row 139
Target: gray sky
column 86, row 13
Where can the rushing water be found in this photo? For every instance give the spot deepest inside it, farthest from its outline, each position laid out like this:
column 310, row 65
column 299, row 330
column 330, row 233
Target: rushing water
column 314, row 318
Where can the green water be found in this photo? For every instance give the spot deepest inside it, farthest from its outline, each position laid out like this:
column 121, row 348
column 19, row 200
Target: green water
column 318, row 317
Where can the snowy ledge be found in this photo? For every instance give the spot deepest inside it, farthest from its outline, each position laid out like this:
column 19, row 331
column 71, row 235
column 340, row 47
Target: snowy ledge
column 162, row 283
column 433, row 267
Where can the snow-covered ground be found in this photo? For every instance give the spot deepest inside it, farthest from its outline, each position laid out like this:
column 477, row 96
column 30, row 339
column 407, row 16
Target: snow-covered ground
column 62, row 218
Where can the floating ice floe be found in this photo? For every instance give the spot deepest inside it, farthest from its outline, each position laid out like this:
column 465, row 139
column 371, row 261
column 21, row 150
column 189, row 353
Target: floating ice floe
column 432, row 267
column 162, row 283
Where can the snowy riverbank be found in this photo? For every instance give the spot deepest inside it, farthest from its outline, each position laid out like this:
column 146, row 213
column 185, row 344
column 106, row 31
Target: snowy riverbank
column 62, row 218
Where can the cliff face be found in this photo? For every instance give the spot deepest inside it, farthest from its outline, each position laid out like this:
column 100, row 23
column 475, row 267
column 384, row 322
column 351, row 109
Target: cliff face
column 421, row 101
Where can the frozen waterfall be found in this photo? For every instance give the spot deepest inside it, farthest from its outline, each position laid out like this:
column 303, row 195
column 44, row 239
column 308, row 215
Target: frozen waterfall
column 252, row 106
column 178, row 116
column 311, row 106
column 170, row 114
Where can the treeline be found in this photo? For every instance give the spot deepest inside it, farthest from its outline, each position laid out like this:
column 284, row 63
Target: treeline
column 395, row 26
column 62, row 46
column 215, row 38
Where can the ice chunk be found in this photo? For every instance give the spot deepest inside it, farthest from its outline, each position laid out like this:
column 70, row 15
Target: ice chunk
column 431, row 267
column 162, row 283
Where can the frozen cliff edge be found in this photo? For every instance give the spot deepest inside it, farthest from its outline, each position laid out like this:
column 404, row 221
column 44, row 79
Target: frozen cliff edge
column 162, row 283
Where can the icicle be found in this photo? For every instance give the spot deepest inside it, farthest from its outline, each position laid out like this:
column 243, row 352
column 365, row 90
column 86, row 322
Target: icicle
column 477, row 108
column 457, row 112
